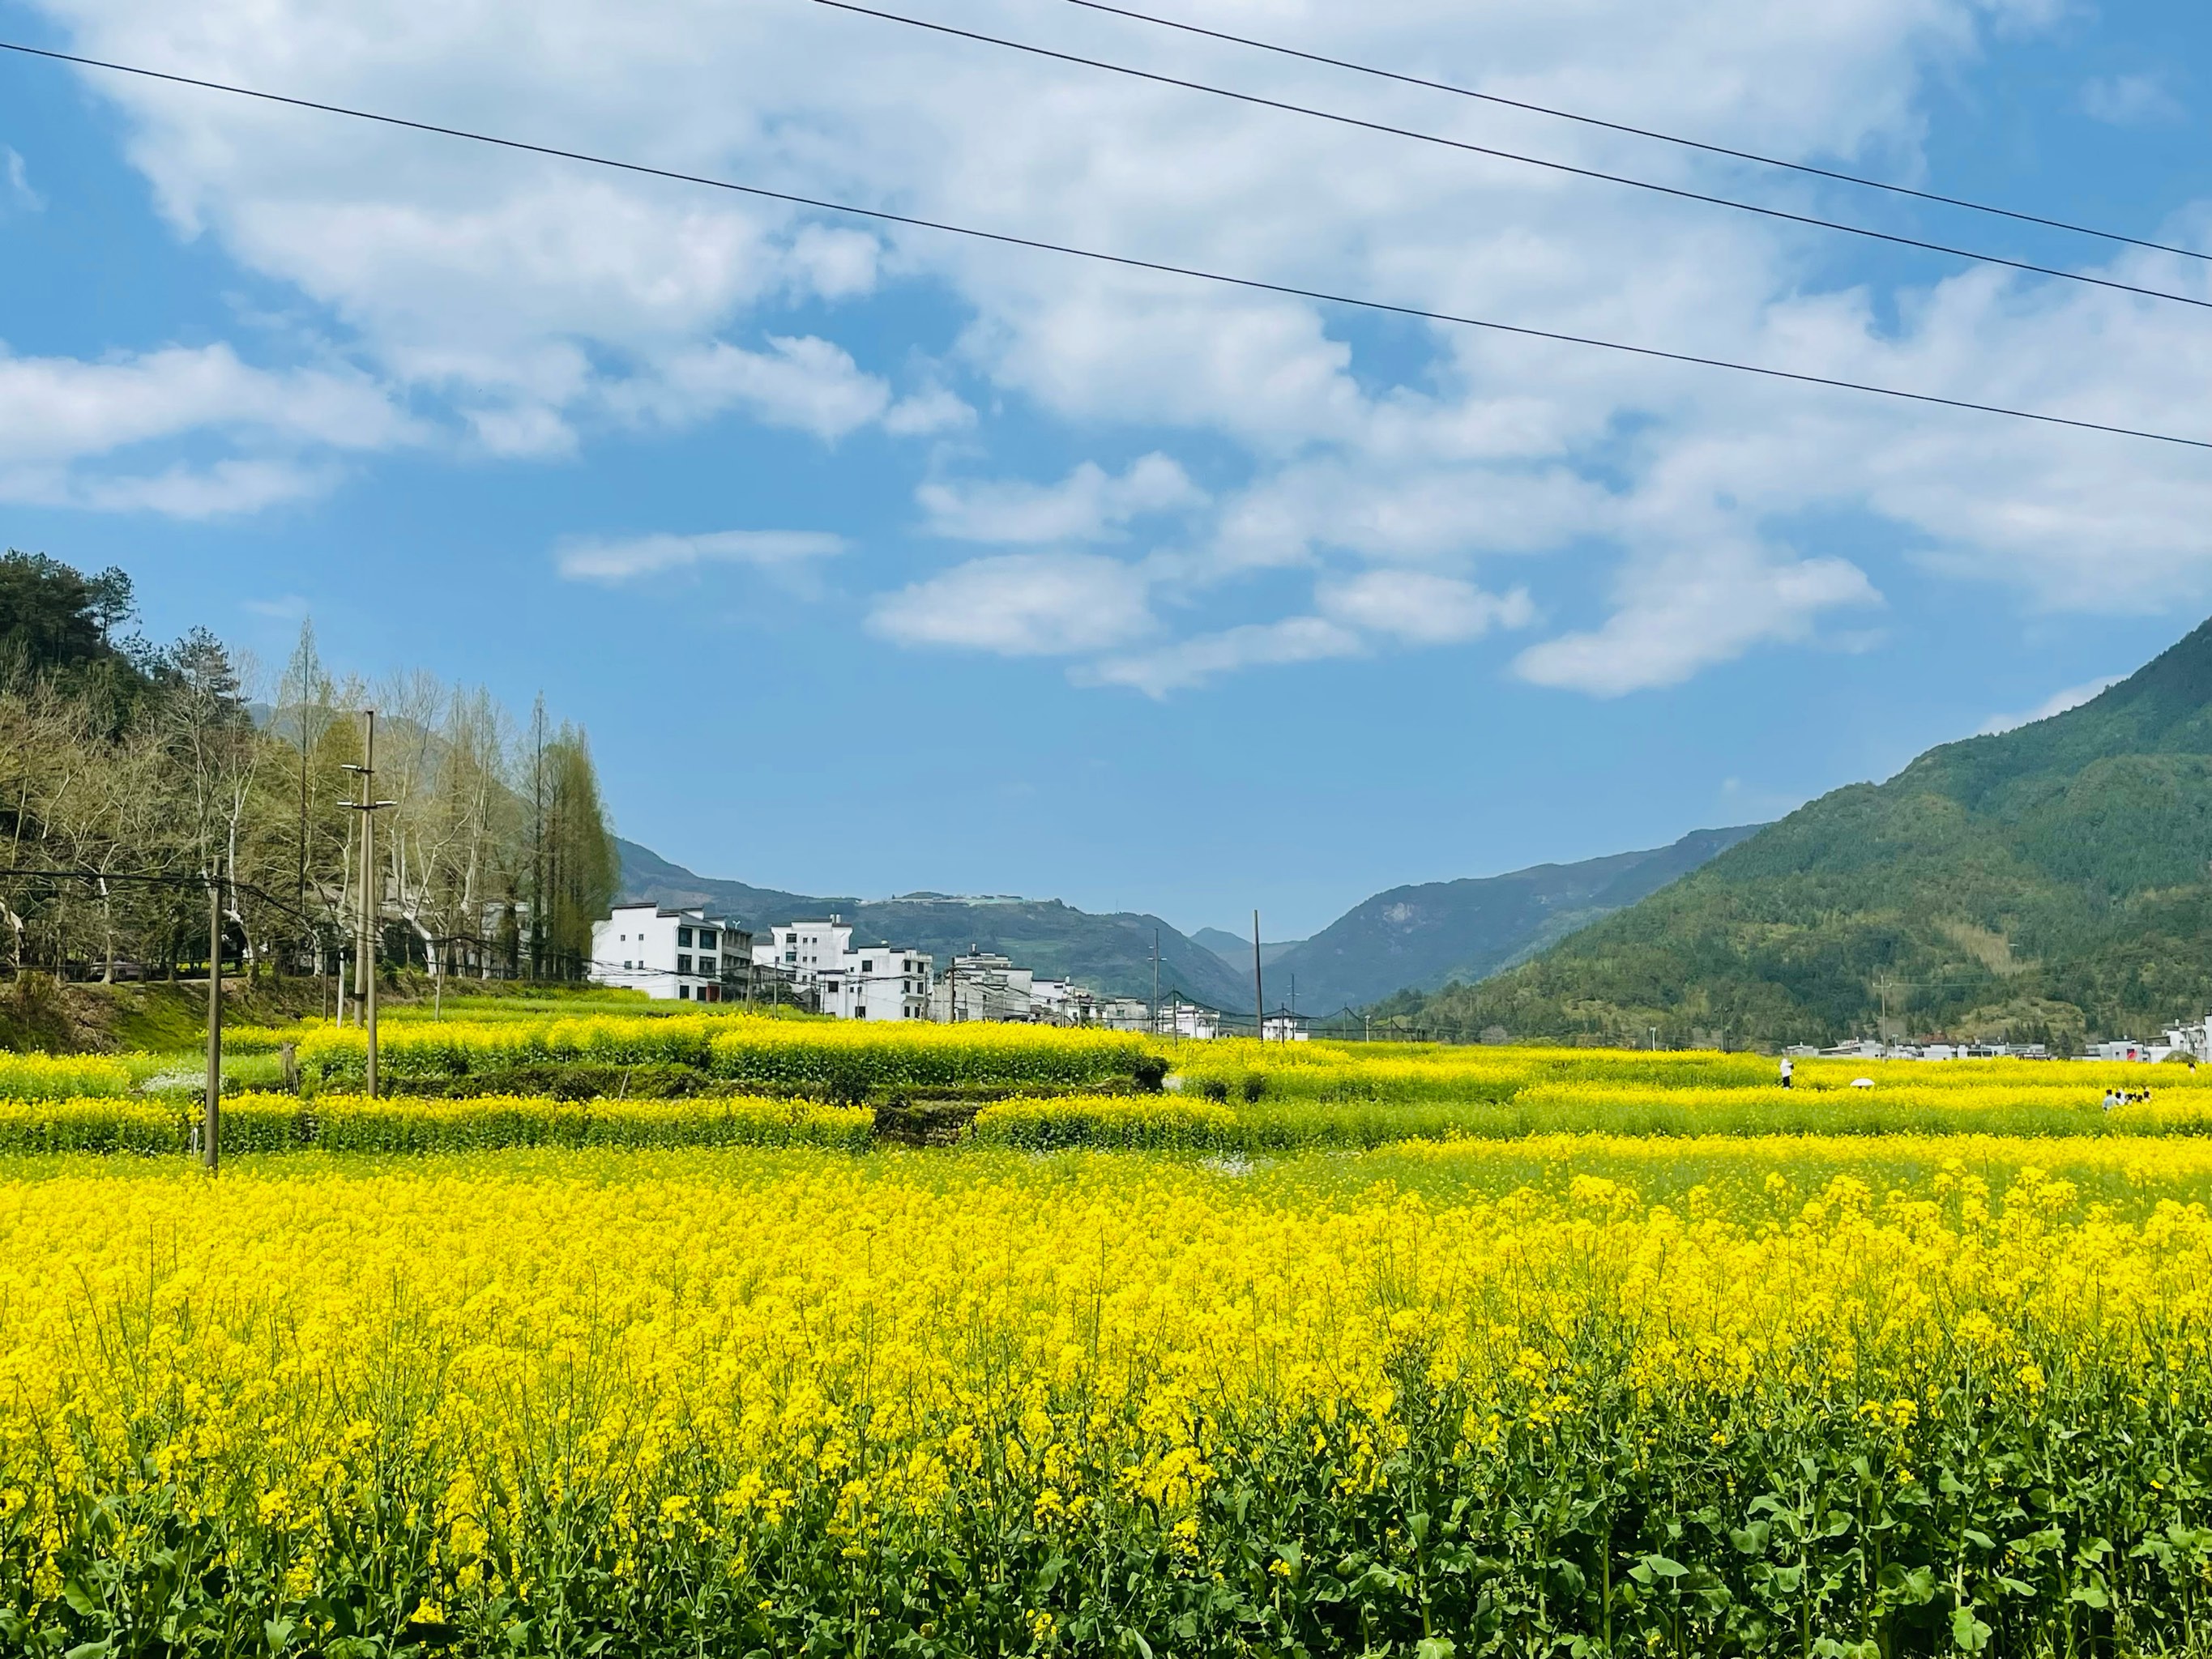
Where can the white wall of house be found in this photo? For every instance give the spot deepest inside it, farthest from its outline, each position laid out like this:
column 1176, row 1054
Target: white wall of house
column 867, row 982
column 670, row 955
column 984, row 986
column 805, row 949
column 1189, row 1019
column 879, row 981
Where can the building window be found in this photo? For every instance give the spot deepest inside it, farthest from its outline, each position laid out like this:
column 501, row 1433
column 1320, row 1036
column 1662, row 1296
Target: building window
column 683, row 991
column 684, row 937
column 867, row 967
column 706, row 938
column 682, row 964
column 706, row 967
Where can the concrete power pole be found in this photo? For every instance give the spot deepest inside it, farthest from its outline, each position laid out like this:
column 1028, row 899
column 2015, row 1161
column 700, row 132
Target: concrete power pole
column 1259, row 996
column 211, row 1113
column 365, row 950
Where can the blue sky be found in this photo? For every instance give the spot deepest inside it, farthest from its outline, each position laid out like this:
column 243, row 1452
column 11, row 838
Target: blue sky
column 876, row 562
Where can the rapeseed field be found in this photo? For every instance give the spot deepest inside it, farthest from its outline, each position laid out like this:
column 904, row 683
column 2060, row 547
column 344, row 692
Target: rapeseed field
column 1122, row 1372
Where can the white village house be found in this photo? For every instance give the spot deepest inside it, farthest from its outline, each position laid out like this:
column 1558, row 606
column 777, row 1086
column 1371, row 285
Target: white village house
column 868, row 981
column 670, row 955
column 983, row 985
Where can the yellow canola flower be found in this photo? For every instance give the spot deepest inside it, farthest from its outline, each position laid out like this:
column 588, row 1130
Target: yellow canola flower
column 57, row 1076
column 635, row 1329
column 750, row 1048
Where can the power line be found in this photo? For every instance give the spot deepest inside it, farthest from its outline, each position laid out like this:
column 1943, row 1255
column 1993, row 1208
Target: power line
column 1128, row 262
column 1859, row 179
column 1495, row 154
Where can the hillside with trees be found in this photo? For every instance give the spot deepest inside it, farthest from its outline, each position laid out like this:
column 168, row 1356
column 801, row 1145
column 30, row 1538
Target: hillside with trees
column 1425, row 936
column 132, row 776
column 2049, row 884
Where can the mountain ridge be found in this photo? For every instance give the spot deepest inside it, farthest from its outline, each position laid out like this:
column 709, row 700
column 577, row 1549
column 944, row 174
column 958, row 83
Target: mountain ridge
column 1422, row 935
column 2048, row 883
column 1415, row 936
column 1112, row 953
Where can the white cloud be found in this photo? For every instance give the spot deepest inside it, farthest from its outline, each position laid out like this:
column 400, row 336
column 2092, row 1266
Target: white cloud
column 1088, row 505
column 1194, row 661
column 1021, row 604
column 1688, row 612
column 522, row 430
column 19, row 193
column 630, row 558
column 803, row 382
column 70, row 430
column 1421, row 607
column 287, row 607
column 541, row 302
column 2131, row 101
column 928, row 413
column 2057, row 703
column 225, row 490
column 62, row 409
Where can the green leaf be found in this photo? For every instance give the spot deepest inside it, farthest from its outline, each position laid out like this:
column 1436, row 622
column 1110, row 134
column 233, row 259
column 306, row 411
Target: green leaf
column 80, row 1598
column 1664, row 1567
column 1435, row 1647
column 2092, row 1596
column 1968, row 1633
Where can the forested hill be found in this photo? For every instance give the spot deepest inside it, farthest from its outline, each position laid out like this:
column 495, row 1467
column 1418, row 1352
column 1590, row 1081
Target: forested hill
column 1426, row 935
column 1109, row 953
column 2044, row 883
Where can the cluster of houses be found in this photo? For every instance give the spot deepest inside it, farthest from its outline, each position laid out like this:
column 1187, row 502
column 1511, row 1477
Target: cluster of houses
column 687, row 955
column 2192, row 1042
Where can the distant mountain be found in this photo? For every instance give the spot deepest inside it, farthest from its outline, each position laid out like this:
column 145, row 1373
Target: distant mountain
column 2047, row 883
column 1112, row 954
column 1237, row 953
column 1425, row 936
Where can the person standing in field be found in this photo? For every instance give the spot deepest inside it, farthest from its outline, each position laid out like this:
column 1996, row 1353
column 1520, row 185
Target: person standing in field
column 1789, row 1067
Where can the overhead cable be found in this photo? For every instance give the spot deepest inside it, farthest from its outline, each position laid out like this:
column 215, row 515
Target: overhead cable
column 1839, row 176
column 1679, row 193
column 1127, row 262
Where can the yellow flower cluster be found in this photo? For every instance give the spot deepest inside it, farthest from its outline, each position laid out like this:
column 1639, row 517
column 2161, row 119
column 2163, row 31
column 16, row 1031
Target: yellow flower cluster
column 53, row 1077
column 334, row 1122
column 706, row 1330
column 473, row 1361
column 739, row 1046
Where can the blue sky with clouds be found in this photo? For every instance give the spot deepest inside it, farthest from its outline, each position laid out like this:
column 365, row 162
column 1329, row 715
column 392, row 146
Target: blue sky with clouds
column 874, row 561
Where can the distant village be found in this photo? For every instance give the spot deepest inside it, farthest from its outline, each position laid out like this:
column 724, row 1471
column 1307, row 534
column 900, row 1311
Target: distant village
column 688, row 956
column 2188, row 1042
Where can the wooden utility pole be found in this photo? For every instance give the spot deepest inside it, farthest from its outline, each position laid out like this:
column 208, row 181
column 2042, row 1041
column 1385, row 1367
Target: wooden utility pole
column 211, row 1112
column 1155, row 982
column 1259, row 998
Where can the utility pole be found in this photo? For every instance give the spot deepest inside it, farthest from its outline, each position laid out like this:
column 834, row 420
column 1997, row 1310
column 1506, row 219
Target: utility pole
column 538, row 839
column 1155, row 982
column 364, row 948
column 1259, row 995
column 211, row 1113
